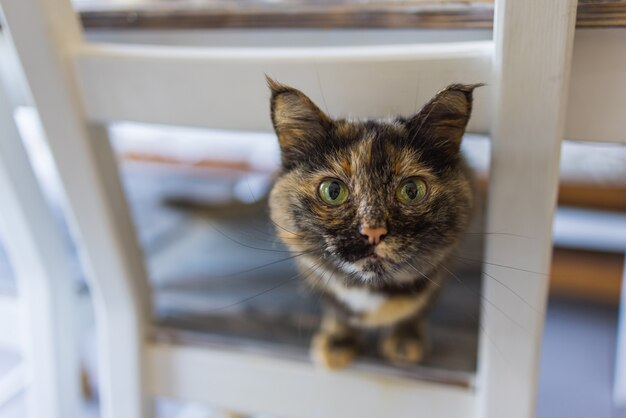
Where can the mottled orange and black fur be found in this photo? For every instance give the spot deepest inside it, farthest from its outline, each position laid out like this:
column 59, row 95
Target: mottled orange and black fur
column 388, row 286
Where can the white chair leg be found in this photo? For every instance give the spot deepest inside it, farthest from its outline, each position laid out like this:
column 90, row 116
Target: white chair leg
column 45, row 286
column 41, row 31
column 533, row 44
column 44, row 33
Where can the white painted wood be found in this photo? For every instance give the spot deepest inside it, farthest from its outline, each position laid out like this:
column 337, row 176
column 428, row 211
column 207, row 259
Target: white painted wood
column 10, row 332
column 12, row 75
column 44, row 33
column 596, row 99
column 13, row 384
column 224, row 88
column 296, row 37
column 595, row 106
column 531, row 73
column 44, row 278
column 256, row 384
column 619, row 385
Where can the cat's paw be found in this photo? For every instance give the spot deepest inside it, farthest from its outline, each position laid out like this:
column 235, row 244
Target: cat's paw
column 399, row 348
column 333, row 352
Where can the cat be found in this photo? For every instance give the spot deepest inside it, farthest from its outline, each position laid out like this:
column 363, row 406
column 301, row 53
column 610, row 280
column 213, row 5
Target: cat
column 376, row 209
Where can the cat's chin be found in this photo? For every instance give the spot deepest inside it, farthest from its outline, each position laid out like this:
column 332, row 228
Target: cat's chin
column 368, row 268
column 375, row 269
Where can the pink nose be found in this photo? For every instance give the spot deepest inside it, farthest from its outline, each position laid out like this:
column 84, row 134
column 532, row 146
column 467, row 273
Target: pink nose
column 374, row 235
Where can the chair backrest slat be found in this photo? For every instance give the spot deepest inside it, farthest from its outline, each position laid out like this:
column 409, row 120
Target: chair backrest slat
column 224, row 88
column 44, row 322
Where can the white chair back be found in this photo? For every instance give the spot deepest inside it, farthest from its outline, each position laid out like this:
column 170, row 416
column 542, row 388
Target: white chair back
column 80, row 87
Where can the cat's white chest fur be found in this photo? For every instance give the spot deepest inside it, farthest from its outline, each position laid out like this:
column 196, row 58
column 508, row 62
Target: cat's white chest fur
column 358, row 299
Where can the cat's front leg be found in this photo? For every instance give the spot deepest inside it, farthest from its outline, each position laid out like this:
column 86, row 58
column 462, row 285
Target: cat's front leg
column 335, row 344
column 406, row 342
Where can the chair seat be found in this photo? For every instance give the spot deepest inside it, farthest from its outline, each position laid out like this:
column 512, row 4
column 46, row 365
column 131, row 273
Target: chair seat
column 203, row 299
column 287, row 335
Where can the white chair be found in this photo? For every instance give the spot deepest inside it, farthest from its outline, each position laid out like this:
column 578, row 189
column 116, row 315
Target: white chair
column 39, row 320
column 79, row 88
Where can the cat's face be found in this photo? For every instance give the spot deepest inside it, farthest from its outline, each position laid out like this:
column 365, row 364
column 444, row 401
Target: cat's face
column 380, row 201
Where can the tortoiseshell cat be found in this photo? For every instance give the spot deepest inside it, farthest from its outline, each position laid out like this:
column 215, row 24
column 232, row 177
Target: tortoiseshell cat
column 377, row 208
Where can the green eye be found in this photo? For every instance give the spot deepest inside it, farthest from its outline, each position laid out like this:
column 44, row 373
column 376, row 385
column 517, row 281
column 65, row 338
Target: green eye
column 412, row 191
column 333, row 192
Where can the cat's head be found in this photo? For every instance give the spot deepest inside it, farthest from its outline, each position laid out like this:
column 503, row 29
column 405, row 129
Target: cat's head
column 379, row 200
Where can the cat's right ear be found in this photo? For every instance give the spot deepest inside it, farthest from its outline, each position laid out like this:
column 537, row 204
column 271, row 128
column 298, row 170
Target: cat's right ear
column 299, row 124
column 442, row 121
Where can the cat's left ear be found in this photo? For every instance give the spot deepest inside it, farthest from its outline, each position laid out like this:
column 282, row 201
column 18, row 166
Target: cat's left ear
column 299, row 124
column 442, row 121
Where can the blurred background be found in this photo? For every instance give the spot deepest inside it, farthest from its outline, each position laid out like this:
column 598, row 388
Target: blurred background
column 198, row 202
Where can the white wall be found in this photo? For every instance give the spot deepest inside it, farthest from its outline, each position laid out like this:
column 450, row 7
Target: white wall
column 597, row 96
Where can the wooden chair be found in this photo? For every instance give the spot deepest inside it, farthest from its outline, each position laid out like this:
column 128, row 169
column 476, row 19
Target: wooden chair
column 39, row 320
column 80, row 87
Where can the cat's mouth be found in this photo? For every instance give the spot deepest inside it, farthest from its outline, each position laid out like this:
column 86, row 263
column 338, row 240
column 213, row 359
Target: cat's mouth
column 370, row 257
column 367, row 262
column 372, row 263
column 373, row 259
